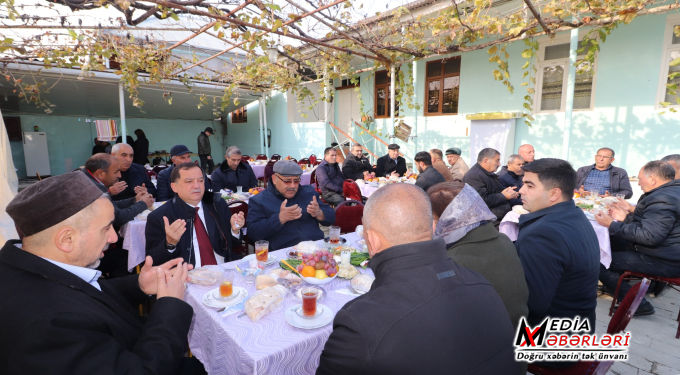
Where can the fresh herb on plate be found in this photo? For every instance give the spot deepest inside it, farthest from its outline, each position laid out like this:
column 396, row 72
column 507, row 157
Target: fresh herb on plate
column 292, row 262
column 356, row 259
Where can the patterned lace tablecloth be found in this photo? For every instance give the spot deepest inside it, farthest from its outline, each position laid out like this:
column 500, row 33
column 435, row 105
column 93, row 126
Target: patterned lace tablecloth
column 233, row 345
column 510, row 227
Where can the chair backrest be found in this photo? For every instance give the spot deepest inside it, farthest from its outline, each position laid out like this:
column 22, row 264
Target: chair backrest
column 261, row 157
column 239, row 206
column 303, row 161
column 159, row 168
column 293, row 160
column 350, row 190
column 314, row 182
column 151, row 174
column 276, row 157
column 348, row 215
column 312, row 159
column 245, row 158
column 628, row 306
column 269, row 170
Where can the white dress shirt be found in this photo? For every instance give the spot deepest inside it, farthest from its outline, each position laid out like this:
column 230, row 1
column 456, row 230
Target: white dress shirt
column 88, row 275
column 197, row 252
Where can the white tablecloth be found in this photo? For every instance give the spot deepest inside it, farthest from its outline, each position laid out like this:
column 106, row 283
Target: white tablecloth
column 258, row 170
column 510, row 227
column 233, row 345
column 367, row 190
column 134, row 242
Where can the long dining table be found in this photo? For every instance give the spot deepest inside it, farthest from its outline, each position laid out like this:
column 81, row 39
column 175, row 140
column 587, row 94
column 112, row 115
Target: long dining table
column 237, row 345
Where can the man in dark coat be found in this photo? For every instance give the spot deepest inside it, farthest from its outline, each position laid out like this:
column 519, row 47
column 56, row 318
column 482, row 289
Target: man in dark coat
column 557, row 246
column 483, row 179
column 330, row 178
column 511, row 176
column 646, row 237
column 179, row 154
column 356, row 166
column 603, row 177
column 204, row 151
column 287, row 213
column 195, row 225
column 133, row 176
column 104, row 170
column 54, row 306
column 141, row 148
column 233, row 172
column 674, row 161
column 428, row 174
column 424, row 314
column 391, row 164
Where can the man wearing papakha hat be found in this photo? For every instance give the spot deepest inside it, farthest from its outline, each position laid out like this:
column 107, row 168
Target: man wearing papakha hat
column 458, row 167
column 287, row 213
column 391, row 164
column 58, row 317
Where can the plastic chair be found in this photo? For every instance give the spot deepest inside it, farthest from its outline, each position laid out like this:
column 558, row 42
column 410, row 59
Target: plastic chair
column 312, row 159
column 348, row 215
column 261, row 157
column 235, row 207
column 245, row 158
column 151, row 174
column 304, row 161
column 629, row 275
column 276, row 157
column 351, row 191
column 618, row 323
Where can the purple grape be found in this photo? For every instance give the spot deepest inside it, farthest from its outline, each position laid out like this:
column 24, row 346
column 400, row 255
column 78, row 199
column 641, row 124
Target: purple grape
column 300, row 267
column 316, row 258
column 311, row 263
column 326, row 266
column 324, row 258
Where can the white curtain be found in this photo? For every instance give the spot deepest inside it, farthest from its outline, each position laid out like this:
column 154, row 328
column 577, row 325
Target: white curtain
column 9, row 183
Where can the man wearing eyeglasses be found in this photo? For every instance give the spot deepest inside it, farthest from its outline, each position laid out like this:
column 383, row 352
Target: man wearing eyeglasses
column 287, row 213
column 511, row 176
column 603, row 177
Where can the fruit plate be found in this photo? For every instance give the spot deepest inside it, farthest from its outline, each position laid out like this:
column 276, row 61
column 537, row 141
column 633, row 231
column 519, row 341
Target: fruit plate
column 315, row 281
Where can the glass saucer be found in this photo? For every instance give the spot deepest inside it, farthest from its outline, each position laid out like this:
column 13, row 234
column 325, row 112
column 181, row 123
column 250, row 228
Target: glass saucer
column 216, row 295
column 319, row 312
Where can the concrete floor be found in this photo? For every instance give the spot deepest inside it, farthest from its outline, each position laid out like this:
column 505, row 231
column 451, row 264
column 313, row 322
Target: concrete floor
column 654, row 349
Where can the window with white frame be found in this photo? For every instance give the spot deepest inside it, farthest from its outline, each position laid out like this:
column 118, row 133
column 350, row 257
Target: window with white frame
column 670, row 75
column 552, row 74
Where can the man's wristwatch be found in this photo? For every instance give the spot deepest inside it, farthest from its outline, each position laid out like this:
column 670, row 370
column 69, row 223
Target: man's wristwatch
column 169, row 246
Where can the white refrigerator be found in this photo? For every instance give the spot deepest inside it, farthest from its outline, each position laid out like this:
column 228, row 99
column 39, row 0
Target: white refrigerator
column 35, row 153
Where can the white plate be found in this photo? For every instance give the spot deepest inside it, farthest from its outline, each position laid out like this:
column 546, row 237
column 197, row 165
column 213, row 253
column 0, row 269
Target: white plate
column 322, row 320
column 209, row 300
column 272, row 259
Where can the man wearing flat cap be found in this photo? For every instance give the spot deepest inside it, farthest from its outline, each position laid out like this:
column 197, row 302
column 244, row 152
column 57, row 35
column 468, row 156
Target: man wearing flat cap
column 178, row 154
column 204, row 150
column 58, row 317
column 391, row 164
column 104, row 172
column 195, row 225
column 458, row 167
column 287, row 213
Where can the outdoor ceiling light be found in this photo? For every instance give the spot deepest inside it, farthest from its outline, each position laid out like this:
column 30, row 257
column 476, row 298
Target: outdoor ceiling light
column 273, row 53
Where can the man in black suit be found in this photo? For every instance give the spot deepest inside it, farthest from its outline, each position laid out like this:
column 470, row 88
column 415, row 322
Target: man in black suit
column 424, row 314
column 58, row 317
column 178, row 154
column 104, row 170
column 356, row 166
column 133, row 177
column 194, row 224
column 391, row 164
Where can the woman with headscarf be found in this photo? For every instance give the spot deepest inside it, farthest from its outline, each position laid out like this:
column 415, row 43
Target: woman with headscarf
column 465, row 222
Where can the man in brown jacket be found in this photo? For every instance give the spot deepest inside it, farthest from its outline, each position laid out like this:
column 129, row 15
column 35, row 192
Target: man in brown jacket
column 458, row 167
column 438, row 164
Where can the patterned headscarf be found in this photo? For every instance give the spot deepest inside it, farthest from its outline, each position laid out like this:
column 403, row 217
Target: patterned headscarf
column 466, row 212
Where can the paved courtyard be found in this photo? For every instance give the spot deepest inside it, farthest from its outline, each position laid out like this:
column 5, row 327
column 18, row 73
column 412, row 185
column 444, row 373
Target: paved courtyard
column 654, row 349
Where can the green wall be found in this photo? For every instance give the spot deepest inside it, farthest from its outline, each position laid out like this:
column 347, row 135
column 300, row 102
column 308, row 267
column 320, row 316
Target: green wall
column 69, row 138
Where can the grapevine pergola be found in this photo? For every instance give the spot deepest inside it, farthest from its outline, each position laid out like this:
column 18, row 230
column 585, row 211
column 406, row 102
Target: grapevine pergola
column 284, row 43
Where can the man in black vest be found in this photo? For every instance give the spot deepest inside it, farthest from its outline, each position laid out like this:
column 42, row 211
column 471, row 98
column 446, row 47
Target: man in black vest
column 194, row 225
column 56, row 308
column 391, row 164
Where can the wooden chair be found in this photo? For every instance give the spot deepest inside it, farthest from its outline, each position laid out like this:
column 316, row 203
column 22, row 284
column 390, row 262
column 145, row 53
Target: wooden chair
column 629, row 275
column 617, row 324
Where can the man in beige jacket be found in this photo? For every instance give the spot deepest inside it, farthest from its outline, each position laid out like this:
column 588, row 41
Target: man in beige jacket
column 458, row 167
column 438, row 164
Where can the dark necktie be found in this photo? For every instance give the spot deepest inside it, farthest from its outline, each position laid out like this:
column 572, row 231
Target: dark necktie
column 204, row 246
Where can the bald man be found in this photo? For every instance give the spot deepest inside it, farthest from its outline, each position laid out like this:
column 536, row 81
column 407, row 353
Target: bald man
column 526, row 151
column 424, row 314
column 55, row 307
column 133, row 177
